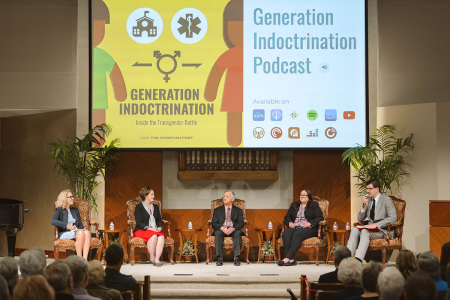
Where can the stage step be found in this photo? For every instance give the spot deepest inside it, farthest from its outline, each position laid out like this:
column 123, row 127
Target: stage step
column 223, row 288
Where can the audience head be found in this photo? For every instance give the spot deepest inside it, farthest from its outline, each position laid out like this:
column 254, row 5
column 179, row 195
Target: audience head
column 349, row 272
column 61, row 201
column 340, row 253
column 80, row 270
column 419, row 286
column 390, row 284
column 406, row 263
column 369, row 276
column 114, row 255
column 4, row 290
column 445, row 259
column 59, row 276
column 33, row 287
column 32, row 262
column 9, row 269
column 448, row 274
column 144, row 192
column 428, row 262
column 96, row 273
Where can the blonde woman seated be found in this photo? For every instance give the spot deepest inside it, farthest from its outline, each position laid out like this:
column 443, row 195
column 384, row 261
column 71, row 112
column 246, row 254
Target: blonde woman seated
column 149, row 225
column 68, row 221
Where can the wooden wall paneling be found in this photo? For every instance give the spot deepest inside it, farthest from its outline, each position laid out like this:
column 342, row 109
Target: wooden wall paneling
column 439, row 210
column 322, row 172
column 132, row 171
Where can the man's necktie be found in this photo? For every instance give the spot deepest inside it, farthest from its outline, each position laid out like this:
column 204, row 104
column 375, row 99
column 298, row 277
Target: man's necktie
column 228, row 220
column 372, row 211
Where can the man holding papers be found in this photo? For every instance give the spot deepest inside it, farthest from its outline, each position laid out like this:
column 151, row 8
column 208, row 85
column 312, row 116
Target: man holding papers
column 380, row 211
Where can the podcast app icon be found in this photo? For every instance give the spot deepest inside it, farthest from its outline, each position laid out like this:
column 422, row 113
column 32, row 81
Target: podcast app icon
column 349, row 115
column 294, row 132
column 276, row 115
column 276, row 132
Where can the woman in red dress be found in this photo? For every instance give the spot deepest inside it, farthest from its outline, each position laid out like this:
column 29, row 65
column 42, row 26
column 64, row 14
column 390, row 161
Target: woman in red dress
column 149, row 225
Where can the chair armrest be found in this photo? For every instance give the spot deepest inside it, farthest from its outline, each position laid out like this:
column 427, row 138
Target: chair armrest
column 319, row 231
column 95, row 224
column 324, row 222
column 165, row 222
column 209, row 222
column 56, row 233
column 388, row 231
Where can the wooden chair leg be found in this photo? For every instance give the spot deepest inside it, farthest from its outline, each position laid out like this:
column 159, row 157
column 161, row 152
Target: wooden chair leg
column 247, row 250
column 171, row 254
column 279, row 250
column 383, row 254
column 56, row 253
column 317, row 254
column 207, row 253
column 132, row 255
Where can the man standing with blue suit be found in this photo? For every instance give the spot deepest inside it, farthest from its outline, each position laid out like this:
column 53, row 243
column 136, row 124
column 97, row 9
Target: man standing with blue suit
column 380, row 211
column 228, row 221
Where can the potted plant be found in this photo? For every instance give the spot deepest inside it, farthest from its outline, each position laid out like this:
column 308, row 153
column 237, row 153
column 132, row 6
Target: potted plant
column 383, row 158
column 80, row 163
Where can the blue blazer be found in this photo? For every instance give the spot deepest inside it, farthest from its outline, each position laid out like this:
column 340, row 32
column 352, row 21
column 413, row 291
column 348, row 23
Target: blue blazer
column 60, row 219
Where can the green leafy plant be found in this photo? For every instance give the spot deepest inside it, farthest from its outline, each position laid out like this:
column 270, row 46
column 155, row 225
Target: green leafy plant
column 188, row 247
column 267, row 248
column 383, row 158
column 81, row 162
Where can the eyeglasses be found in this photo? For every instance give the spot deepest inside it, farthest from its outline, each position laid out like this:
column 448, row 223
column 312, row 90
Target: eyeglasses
column 70, row 197
column 303, row 195
column 369, row 189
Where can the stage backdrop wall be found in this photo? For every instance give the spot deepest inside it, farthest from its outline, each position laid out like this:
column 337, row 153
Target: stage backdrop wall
column 320, row 171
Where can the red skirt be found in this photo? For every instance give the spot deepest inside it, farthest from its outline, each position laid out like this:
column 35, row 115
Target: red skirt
column 147, row 234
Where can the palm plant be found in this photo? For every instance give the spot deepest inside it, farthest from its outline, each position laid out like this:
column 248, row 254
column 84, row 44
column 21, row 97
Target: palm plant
column 383, row 158
column 82, row 161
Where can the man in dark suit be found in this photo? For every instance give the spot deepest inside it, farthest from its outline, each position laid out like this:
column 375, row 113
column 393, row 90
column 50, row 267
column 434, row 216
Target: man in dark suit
column 228, row 221
column 340, row 253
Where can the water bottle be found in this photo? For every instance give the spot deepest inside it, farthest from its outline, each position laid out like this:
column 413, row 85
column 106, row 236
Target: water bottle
column 335, row 227
column 270, row 225
column 111, row 226
column 190, row 225
column 347, row 226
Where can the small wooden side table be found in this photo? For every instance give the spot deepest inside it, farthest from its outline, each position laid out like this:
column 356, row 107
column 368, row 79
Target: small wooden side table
column 192, row 233
column 106, row 234
column 267, row 231
column 330, row 237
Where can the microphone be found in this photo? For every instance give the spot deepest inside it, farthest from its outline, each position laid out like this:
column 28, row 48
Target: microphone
column 364, row 204
column 292, row 294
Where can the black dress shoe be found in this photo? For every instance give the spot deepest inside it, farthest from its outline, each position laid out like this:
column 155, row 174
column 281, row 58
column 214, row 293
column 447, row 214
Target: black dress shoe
column 219, row 261
column 294, row 263
column 236, row 261
column 281, row 263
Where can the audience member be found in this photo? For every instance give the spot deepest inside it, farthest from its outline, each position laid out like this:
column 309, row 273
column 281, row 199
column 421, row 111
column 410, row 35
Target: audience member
column 96, row 285
column 59, row 276
column 114, row 279
column 445, row 259
column 428, row 262
column 349, row 274
column 369, row 277
column 4, row 290
column 340, row 253
column 448, row 274
column 420, row 286
column 9, row 269
column 80, row 273
column 32, row 262
column 33, row 287
column 406, row 263
column 390, row 284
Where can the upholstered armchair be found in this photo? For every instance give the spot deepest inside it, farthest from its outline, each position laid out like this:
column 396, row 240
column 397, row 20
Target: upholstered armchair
column 314, row 242
column 386, row 243
column 136, row 242
column 84, row 208
column 228, row 241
